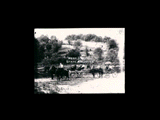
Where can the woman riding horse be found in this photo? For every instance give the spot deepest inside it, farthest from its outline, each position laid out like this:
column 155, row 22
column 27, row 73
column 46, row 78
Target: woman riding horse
column 60, row 72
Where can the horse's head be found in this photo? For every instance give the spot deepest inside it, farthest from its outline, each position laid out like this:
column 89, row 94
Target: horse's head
column 52, row 68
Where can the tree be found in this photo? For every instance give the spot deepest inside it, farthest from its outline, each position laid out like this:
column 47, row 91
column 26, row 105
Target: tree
column 49, row 46
column 73, row 53
column 89, row 37
column 77, row 44
column 112, row 55
column 98, row 39
column 69, row 42
column 43, row 39
column 53, row 37
column 112, row 44
column 106, row 39
column 98, row 51
column 86, row 51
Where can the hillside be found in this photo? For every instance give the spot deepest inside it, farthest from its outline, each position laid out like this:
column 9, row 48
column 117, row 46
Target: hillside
column 91, row 46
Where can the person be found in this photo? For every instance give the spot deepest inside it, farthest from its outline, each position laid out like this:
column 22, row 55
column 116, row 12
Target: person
column 61, row 65
column 98, row 66
column 60, row 69
column 83, row 66
column 92, row 67
column 108, row 67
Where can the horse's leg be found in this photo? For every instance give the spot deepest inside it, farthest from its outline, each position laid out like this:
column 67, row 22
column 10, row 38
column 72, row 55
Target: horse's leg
column 102, row 74
column 58, row 78
column 52, row 75
column 93, row 75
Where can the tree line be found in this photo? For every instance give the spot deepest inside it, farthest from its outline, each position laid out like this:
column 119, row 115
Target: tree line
column 46, row 49
column 112, row 46
column 92, row 37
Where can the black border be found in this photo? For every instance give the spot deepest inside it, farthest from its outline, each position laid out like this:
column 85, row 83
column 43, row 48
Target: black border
column 93, row 95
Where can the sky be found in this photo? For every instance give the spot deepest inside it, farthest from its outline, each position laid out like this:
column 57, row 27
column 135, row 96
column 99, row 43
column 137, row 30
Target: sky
column 62, row 33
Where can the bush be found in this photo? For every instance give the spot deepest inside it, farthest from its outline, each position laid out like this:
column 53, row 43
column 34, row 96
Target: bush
column 98, row 51
column 112, row 55
column 61, row 60
column 69, row 42
column 112, row 44
column 86, row 51
column 73, row 53
column 77, row 45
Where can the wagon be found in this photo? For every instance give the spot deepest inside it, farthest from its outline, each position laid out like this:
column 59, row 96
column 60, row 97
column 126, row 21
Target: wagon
column 76, row 73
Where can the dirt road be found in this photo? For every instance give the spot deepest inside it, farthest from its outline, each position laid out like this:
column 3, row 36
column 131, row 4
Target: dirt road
column 96, row 85
column 99, row 85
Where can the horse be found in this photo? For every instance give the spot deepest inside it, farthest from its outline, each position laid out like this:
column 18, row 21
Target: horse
column 60, row 72
column 46, row 69
column 80, row 68
column 93, row 71
column 52, row 71
column 73, row 68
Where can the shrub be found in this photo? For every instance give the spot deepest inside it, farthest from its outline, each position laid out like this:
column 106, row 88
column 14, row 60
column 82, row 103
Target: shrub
column 98, row 51
column 78, row 44
column 73, row 53
column 112, row 44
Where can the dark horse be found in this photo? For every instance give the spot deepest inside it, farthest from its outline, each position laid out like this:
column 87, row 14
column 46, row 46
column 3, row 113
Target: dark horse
column 73, row 68
column 93, row 71
column 80, row 68
column 52, row 70
column 60, row 72
column 46, row 69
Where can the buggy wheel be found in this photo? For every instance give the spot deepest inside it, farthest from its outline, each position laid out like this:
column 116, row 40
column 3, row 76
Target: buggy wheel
column 107, row 75
column 72, row 75
column 114, row 73
column 81, row 74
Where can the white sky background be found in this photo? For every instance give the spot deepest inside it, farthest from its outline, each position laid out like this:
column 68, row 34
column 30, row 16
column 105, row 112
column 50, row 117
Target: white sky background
column 115, row 33
column 61, row 34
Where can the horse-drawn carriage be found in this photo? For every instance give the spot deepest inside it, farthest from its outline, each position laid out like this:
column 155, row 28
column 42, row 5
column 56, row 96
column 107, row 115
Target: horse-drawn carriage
column 77, row 71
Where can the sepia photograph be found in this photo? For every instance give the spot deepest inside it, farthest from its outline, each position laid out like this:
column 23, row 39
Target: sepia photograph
column 79, row 60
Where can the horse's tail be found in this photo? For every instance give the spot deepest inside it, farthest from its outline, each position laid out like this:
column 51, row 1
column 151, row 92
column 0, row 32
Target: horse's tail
column 69, row 73
column 50, row 68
